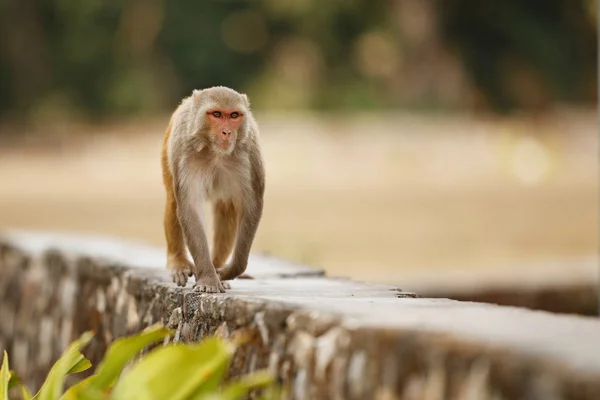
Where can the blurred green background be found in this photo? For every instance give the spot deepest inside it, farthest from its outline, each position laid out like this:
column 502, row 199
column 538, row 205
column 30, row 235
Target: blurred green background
column 107, row 58
column 398, row 134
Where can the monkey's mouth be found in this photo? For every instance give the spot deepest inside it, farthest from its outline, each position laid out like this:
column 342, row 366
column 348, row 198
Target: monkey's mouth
column 225, row 147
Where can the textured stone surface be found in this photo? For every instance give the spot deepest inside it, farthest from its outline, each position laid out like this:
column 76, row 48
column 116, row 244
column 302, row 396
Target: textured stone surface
column 563, row 286
column 135, row 255
column 325, row 338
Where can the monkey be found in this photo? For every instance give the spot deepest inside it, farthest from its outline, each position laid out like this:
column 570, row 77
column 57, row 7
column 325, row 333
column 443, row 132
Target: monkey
column 211, row 154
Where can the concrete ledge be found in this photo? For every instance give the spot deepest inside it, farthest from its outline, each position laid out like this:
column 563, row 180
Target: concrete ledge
column 325, row 338
column 561, row 286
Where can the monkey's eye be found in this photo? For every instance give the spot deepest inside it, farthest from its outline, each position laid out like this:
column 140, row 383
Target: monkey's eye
column 216, row 114
column 234, row 115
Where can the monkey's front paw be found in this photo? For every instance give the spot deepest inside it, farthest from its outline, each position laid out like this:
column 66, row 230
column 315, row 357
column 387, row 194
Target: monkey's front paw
column 209, row 285
column 180, row 270
column 179, row 277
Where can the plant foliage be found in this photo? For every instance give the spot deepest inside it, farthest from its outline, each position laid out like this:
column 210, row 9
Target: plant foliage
column 175, row 371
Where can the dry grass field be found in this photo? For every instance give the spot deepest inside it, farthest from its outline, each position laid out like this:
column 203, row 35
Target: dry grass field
column 367, row 196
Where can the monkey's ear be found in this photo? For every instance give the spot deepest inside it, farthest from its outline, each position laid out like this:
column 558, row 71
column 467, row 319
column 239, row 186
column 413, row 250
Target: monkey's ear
column 197, row 95
column 246, row 100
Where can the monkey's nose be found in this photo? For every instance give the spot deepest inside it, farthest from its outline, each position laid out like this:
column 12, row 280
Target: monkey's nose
column 226, row 133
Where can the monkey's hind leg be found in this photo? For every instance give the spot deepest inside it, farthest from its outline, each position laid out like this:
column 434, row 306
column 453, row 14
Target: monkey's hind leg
column 226, row 221
column 177, row 263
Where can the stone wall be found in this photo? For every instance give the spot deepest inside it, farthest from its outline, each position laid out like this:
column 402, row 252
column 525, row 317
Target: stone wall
column 325, row 338
column 563, row 286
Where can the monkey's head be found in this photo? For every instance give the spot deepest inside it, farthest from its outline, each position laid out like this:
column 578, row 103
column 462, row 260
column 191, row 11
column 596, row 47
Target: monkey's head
column 223, row 117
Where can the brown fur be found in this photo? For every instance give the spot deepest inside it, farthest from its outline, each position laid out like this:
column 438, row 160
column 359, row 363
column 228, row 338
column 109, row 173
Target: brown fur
column 225, row 220
column 195, row 170
column 177, row 261
column 173, row 232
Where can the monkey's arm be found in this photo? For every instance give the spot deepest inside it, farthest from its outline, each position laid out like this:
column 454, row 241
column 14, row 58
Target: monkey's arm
column 250, row 217
column 190, row 218
column 177, row 262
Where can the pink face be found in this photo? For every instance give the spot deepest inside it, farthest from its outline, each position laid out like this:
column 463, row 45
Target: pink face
column 224, row 125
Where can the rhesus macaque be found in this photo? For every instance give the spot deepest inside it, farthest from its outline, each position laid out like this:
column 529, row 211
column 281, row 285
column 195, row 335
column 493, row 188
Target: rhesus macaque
column 211, row 152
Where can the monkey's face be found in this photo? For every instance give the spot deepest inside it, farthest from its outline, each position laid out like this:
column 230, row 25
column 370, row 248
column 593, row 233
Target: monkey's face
column 224, row 127
column 223, row 113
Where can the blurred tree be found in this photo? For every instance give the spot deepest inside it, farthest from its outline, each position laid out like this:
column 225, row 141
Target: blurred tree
column 525, row 53
column 192, row 42
column 106, row 58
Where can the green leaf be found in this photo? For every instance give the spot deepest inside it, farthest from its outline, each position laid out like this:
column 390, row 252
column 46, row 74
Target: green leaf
column 122, row 351
column 71, row 360
column 240, row 388
column 82, row 391
column 177, row 371
column 4, row 377
column 78, row 389
column 81, row 366
column 25, row 393
column 15, row 380
column 273, row 392
column 92, row 394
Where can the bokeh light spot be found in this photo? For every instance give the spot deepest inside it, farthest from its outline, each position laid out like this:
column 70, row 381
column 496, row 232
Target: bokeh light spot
column 531, row 162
